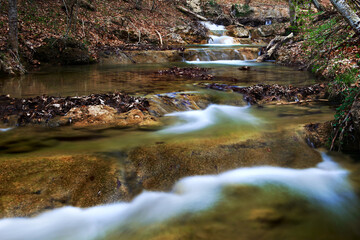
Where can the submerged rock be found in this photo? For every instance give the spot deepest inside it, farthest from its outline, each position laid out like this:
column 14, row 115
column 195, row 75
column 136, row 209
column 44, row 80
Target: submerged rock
column 36, row 184
column 191, row 72
column 99, row 115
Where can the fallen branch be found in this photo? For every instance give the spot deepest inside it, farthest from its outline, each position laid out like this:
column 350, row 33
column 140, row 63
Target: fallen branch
column 185, row 10
column 273, row 46
column 160, row 38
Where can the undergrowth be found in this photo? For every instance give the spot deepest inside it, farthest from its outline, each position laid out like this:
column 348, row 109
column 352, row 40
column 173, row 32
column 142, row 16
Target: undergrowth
column 331, row 49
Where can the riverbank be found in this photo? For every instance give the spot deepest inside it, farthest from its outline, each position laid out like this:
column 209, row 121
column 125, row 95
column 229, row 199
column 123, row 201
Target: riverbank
column 328, row 47
column 103, row 32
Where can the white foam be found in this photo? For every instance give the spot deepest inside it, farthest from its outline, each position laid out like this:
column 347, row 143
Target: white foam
column 212, row 26
column 5, row 129
column 326, row 186
column 221, row 40
column 213, row 114
column 227, row 62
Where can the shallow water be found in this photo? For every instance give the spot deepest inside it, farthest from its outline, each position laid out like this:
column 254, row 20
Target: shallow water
column 141, row 79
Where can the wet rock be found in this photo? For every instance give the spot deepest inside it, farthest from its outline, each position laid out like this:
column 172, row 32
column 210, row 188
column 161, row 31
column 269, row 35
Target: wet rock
column 194, row 32
column 65, row 51
column 266, row 216
column 238, row 32
column 244, row 68
column 262, row 93
column 191, row 72
column 35, row 184
column 100, row 115
column 318, row 134
column 162, row 104
column 159, row 166
column 224, row 54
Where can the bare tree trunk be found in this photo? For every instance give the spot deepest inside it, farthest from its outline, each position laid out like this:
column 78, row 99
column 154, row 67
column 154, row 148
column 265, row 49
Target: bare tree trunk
column 292, row 13
column 350, row 16
column 318, row 5
column 13, row 27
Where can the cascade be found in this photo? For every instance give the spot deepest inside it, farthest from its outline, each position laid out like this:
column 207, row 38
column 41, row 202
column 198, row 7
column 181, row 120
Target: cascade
column 325, row 185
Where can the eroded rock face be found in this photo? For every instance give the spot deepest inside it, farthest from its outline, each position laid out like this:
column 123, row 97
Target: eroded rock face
column 63, row 51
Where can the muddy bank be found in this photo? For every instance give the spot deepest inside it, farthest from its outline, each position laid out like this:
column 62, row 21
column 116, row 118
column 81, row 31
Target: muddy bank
column 265, row 94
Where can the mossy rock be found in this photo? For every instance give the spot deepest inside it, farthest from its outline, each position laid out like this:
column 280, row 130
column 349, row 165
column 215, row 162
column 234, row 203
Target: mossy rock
column 63, row 51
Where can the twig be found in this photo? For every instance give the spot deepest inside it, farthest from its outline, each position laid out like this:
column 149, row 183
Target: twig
column 160, row 38
column 342, row 123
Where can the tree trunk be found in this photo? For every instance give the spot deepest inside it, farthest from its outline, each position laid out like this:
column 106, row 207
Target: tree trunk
column 292, row 13
column 318, row 5
column 350, row 16
column 13, row 27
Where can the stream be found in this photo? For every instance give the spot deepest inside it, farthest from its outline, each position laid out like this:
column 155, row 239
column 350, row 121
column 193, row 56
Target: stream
column 225, row 171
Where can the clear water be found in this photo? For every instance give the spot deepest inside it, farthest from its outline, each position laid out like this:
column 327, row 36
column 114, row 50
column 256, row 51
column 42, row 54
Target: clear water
column 313, row 201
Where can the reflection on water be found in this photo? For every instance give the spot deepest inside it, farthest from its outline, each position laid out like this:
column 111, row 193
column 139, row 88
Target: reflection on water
column 139, row 79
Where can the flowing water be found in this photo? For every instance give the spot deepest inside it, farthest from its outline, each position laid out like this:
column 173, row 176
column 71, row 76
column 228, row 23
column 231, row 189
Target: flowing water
column 227, row 171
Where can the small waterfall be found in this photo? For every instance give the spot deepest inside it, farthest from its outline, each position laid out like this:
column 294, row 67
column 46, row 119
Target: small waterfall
column 5, row 129
column 325, row 185
column 221, row 40
column 218, row 36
